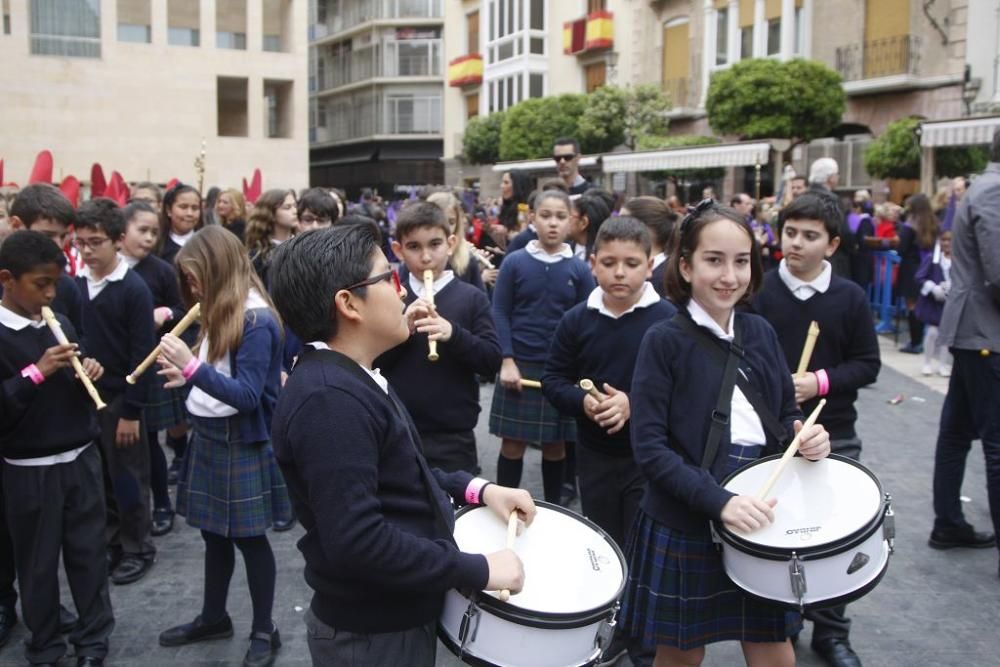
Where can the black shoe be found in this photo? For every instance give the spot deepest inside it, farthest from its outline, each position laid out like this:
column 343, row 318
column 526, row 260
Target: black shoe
column 89, row 661
column 970, row 539
column 282, row 526
column 132, row 568
column 262, row 657
column 67, row 620
column 174, row 471
column 8, row 619
column 837, row 652
column 568, row 493
column 114, row 558
column 163, row 522
column 197, row 631
column 912, row 349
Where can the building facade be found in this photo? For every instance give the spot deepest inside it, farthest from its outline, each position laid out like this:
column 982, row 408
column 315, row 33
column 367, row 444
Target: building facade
column 139, row 85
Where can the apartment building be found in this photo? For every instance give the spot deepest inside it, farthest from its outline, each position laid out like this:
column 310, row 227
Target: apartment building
column 139, row 85
column 376, row 82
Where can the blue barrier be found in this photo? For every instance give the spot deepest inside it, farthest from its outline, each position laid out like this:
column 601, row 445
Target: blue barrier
column 882, row 302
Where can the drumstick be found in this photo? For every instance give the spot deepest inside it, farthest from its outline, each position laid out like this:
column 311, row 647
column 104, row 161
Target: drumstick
column 511, row 535
column 181, row 327
column 530, row 384
column 807, row 349
column 588, row 386
column 790, row 452
column 60, row 335
column 432, row 345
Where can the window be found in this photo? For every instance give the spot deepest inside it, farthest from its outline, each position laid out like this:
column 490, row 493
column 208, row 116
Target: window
column 66, row 28
column 413, row 114
column 6, row 16
column 231, row 24
column 472, row 32
column 594, row 76
column 231, row 106
column 278, row 99
column 774, row 37
column 471, row 106
column 538, row 46
column 746, row 43
column 537, row 14
column 275, row 18
column 183, row 22
column 134, row 21
column 721, row 37
column 536, row 85
column 799, row 28
column 595, row 6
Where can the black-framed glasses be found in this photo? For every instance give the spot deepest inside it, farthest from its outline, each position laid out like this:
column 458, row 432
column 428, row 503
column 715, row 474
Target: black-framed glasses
column 564, row 158
column 388, row 276
column 694, row 212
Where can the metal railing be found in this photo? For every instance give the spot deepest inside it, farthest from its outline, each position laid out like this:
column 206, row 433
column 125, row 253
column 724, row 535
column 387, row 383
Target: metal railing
column 413, row 57
column 878, row 58
column 366, row 114
column 345, row 15
column 678, row 90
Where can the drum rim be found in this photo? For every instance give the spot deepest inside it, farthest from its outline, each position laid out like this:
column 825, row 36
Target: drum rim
column 543, row 619
column 807, row 552
column 471, row 659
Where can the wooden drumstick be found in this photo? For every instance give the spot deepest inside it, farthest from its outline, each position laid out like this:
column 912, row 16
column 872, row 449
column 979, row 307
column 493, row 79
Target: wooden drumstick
column 60, row 335
column 181, row 327
column 432, row 345
column 807, row 349
column 588, row 386
column 511, row 536
column 790, row 452
column 530, row 384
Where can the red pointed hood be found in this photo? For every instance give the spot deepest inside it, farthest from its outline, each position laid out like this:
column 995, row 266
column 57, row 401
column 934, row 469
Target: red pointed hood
column 42, row 171
column 117, row 189
column 70, row 187
column 97, row 182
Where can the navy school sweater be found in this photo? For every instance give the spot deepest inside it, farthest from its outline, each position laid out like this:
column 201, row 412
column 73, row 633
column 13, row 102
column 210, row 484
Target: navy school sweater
column 41, row 420
column 379, row 555
column 674, row 391
column 594, row 346
column 531, row 297
column 847, row 347
column 118, row 332
column 658, row 279
column 443, row 395
column 169, row 251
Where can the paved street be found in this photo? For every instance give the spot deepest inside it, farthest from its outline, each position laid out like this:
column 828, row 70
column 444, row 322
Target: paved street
column 932, row 608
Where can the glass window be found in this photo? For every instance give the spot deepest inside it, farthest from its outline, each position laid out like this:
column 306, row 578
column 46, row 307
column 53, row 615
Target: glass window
column 799, row 28
column 773, row 36
column 746, row 43
column 274, row 16
column 505, row 50
column 134, row 21
column 493, row 27
column 538, row 45
column 231, row 106
column 66, row 28
column 231, row 24
column 721, row 37
column 183, row 22
column 537, row 15
column 502, row 15
column 278, row 95
column 536, row 85
column 6, row 16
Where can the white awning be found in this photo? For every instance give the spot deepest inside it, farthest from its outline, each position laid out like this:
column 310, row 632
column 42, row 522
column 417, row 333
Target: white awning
column 965, row 132
column 697, row 157
column 548, row 164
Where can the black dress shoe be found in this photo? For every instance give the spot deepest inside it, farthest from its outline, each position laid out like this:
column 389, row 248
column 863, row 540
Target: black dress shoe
column 837, row 652
column 282, row 526
column 970, row 539
column 197, row 631
column 8, row 619
column 131, row 569
column 114, row 558
column 260, row 654
column 174, row 471
column 67, row 620
column 89, row 661
column 163, row 522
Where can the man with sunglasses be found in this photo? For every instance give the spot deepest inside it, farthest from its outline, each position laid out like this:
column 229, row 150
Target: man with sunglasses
column 566, row 153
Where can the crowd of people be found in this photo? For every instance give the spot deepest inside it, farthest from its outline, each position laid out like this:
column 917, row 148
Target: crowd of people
column 306, row 392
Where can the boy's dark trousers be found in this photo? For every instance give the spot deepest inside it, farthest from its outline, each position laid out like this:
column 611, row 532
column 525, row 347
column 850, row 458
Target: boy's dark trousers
column 126, row 486
column 8, row 573
column 52, row 509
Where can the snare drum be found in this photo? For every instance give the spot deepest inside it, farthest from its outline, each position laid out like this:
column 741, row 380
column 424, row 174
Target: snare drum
column 830, row 540
column 574, row 575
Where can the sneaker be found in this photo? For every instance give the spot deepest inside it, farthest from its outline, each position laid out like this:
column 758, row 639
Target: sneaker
column 927, row 370
column 945, row 372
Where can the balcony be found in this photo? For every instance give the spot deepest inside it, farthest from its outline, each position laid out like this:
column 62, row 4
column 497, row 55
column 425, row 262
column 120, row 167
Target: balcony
column 594, row 32
column 353, row 14
column 364, row 115
column 897, row 57
column 387, row 59
column 679, row 91
column 466, row 71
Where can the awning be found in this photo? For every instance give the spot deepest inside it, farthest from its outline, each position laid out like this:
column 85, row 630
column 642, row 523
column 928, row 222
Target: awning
column 347, row 157
column 965, row 132
column 547, row 164
column 699, row 157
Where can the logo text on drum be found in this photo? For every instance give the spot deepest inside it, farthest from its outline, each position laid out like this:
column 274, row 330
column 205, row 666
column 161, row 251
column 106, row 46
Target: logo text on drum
column 809, row 529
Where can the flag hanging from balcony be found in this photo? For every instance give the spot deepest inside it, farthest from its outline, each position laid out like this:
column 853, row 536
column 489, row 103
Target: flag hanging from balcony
column 600, row 31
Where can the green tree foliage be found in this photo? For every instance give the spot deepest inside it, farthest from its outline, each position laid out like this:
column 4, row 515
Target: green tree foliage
column 616, row 116
column 896, row 153
column 765, row 98
column 654, row 142
column 529, row 128
column 481, row 141
column 960, row 160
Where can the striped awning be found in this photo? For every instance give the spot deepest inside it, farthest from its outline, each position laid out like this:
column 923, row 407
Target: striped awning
column 547, row 164
column 698, row 157
column 964, row 132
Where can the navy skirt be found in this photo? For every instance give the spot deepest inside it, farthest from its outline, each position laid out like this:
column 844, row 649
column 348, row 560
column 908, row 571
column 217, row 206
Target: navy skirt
column 527, row 415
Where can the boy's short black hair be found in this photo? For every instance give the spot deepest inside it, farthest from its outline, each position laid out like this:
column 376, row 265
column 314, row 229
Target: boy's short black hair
column 138, row 206
column 812, row 205
column 308, row 270
column 42, row 201
column 624, row 228
column 320, row 202
column 418, row 214
column 25, row 250
column 102, row 215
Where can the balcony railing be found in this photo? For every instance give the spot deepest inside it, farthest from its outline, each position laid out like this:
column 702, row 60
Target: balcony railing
column 679, row 92
column 351, row 14
column 879, row 58
column 412, row 57
column 365, row 114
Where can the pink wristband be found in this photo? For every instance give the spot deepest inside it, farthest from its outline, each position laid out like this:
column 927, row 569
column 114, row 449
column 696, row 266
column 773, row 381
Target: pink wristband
column 191, row 368
column 822, row 382
column 32, row 373
column 474, row 490
column 166, row 312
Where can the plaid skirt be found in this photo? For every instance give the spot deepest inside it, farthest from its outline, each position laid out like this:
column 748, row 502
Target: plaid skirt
column 166, row 406
column 228, row 487
column 527, row 415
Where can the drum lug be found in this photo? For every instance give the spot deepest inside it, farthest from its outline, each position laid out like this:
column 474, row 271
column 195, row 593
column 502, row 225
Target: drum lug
column 605, row 632
column 797, row 575
column 889, row 524
column 469, row 627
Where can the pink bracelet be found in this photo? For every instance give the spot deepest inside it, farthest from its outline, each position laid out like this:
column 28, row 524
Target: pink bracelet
column 474, row 490
column 822, row 382
column 166, row 311
column 32, row 373
column 191, row 368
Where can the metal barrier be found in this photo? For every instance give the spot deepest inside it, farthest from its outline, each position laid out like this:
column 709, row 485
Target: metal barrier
column 882, row 302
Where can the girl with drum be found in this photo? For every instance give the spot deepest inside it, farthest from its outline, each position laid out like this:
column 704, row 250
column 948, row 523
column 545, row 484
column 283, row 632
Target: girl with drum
column 686, row 440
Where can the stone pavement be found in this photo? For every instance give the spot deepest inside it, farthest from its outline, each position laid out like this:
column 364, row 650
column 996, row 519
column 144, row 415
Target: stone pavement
column 932, row 608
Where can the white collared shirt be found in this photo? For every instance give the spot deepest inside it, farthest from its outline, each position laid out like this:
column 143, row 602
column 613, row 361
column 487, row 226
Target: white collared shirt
column 596, row 301
column 95, row 287
column 800, row 288
column 658, row 259
column 580, row 251
column 417, row 286
column 536, row 250
column 374, row 373
column 12, row 320
column 130, row 260
column 181, row 240
column 745, row 427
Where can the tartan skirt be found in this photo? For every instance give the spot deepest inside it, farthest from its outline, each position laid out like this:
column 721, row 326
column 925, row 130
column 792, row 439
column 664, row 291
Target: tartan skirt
column 228, row 487
column 678, row 594
column 165, row 408
column 527, row 415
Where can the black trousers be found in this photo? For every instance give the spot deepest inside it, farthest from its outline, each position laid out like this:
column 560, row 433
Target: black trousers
column 52, row 509
column 451, row 452
column 329, row 647
column 610, row 490
column 8, row 573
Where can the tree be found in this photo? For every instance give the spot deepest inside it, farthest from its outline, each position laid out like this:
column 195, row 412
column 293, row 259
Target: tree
column 896, row 154
column 481, row 141
column 530, row 127
column 615, row 116
column 764, row 98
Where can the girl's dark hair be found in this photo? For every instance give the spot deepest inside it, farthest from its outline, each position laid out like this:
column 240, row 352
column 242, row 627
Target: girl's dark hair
column 656, row 215
column 169, row 198
column 542, row 195
column 685, row 243
column 135, row 207
column 624, row 228
column 921, row 217
column 521, row 183
column 308, row 270
column 596, row 205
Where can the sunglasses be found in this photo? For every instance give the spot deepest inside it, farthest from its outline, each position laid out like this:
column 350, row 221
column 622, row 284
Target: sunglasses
column 564, row 158
column 388, row 276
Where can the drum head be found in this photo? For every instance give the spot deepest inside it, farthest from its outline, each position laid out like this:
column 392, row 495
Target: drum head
column 819, row 502
column 569, row 566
